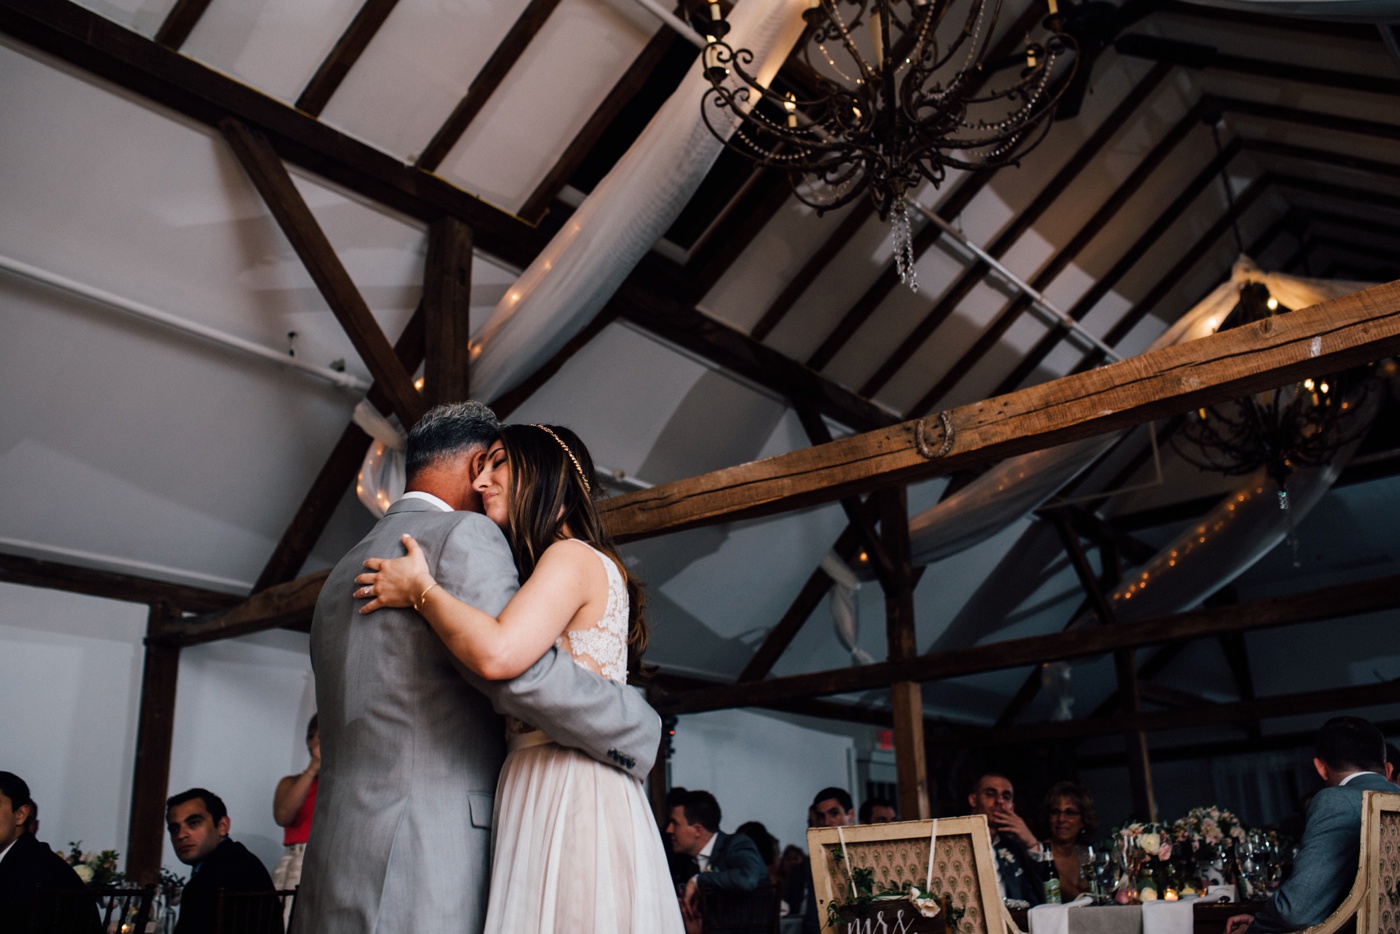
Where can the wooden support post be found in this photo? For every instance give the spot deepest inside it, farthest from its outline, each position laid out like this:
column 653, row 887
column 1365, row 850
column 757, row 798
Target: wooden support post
column 906, row 697
column 447, row 304
column 154, row 734
column 1139, row 766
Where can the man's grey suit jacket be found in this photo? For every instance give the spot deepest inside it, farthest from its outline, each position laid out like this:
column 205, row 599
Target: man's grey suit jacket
column 1326, row 863
column 411, row 747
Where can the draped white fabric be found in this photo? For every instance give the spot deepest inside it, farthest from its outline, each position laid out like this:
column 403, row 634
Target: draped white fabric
column 581, row 268
column 1017, row 486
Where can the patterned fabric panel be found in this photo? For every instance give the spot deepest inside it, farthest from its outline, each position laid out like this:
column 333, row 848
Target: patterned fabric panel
column 1389, row 860
column 902, row 862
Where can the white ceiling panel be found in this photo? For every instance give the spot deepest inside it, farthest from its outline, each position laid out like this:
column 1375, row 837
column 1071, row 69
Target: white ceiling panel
column 569, row 68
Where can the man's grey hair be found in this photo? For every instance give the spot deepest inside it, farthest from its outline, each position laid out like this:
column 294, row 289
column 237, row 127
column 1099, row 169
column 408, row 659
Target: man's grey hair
column 449, row 430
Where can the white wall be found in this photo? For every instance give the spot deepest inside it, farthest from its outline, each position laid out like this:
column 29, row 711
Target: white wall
column 761, row 767
column 70, row 693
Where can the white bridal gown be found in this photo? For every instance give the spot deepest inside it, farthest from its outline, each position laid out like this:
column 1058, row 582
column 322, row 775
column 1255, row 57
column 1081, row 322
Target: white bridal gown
column 576, row 846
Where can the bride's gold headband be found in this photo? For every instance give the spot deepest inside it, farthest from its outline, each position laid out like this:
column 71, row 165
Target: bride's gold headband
column 587, row 488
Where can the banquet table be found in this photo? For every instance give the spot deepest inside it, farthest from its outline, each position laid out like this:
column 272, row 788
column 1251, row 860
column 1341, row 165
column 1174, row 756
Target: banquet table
column 1185, row 916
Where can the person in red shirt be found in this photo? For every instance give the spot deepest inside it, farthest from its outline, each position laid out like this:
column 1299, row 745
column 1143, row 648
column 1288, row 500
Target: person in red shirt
column 292, row 805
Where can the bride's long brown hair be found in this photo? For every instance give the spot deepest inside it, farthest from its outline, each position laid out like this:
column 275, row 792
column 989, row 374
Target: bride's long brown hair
column 553, row 485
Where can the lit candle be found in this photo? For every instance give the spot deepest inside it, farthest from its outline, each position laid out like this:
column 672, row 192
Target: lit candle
column 877, row 35
column 1169, row 895
column 790, row 105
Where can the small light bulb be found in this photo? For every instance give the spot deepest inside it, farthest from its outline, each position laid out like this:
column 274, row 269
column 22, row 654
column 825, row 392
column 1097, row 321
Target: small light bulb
column 1272, row 303
column 1322, row 388
column 1308, row 384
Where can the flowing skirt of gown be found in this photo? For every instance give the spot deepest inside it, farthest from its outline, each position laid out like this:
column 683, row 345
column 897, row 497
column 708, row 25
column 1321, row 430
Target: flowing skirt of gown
column 576, row 848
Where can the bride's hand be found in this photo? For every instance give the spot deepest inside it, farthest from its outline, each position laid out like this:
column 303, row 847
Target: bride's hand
column 395, row 581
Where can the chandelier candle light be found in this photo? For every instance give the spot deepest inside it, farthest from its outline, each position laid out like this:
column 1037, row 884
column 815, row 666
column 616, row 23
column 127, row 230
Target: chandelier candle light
column 875, row 101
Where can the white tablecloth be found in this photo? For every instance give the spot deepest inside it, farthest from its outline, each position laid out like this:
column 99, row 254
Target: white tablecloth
column 1079, row 917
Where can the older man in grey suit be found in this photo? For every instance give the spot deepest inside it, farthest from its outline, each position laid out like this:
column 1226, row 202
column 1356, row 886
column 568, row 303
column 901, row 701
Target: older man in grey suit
column 410, row 743
column 1351, row 760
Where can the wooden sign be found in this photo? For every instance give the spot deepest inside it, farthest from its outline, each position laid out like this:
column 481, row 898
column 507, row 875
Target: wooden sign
column 893, row 857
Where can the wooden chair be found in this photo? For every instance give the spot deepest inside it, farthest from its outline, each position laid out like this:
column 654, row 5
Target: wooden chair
column 107, row 908
column 1373, row 903
column 756, row 912
column 898, row 855
column 252, row 912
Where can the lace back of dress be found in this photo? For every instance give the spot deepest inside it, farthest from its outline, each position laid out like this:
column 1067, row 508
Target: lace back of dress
column 605, row 643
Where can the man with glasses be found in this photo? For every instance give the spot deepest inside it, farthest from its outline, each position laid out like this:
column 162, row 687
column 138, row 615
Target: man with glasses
column 1015, row 849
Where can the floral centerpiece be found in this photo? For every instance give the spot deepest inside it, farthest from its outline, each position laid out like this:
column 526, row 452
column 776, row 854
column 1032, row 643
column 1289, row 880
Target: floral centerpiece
column 1202, row 837
column 1143, row 850
column 94, row 868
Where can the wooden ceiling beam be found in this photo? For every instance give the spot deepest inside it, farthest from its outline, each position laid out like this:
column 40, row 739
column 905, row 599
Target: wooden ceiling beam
column 773, row 315
column 1366, row 225
column 622, row 93
column 288, row 606
column 1324, row 157
column 1331, row 335
column 1332, row 122
column 487, row 80
column 269, row 176
column 1309, row 703
column 180, row 22
column 991, row 335
column 1023, row 221
column 743, row 219
column 343, row 56
column 1190, row 55
column 1329, row 603
column 109, row 585
column 335, row 476
column 1305, row 28
column 100, row 47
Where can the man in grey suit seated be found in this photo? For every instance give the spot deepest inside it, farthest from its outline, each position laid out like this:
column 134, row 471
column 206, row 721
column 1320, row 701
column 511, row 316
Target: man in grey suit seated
column 410, row 744
column 730, row 864
column 1350, row 759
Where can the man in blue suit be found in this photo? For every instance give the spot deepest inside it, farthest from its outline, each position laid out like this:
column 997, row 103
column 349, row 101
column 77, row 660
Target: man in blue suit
column 1351, row 759
column 729, row 863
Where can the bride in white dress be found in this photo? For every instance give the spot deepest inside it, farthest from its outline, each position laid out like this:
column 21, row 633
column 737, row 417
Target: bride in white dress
column 576, row 848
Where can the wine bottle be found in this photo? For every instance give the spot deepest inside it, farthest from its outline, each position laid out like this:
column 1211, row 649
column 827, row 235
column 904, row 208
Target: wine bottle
column 1052, row 881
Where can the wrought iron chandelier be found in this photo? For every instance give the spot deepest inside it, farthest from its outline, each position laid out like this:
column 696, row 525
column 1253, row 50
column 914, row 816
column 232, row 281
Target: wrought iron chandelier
column 882, row 102
column 1298, row 425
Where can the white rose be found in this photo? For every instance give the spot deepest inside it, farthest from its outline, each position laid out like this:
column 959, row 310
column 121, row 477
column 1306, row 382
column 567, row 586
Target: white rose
column 1150, row 842
column 84, row 873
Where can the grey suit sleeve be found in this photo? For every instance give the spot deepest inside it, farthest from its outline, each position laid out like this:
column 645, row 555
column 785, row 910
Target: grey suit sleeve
column 1324, row 869
column 577, row 708
column 739, row 869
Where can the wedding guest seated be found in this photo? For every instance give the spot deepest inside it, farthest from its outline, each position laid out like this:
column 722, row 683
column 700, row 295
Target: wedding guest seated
column 831, row 807
column 199, row 824
column 729, row 863
column 878, row 811
column 767, row 845
column 681, row 866
column 29, row 867
column 1016, row 850
column 1069, row 810
column 1350, row 758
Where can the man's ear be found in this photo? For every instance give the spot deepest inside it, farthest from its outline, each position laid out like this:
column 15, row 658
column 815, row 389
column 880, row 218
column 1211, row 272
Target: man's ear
column 223, row 826
column 22, row 814
column 478, row 463
column 972, row 800
column 1323, row 770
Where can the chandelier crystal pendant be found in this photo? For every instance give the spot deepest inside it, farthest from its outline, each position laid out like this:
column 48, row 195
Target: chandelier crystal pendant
column 883, row 95
column 1298, row 425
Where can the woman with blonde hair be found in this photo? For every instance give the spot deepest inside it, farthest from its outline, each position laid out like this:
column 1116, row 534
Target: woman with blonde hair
column 576, row 847
column 1069, row 810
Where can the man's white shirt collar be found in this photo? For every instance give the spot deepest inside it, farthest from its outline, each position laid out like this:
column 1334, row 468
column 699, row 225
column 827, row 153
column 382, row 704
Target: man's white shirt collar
column 703, row 857
column 1354, row 775
column 427, row 498
column 6, row 850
